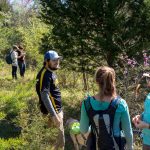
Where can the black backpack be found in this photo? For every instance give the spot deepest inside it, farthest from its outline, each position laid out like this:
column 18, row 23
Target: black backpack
column 8, row 58
column 38, row 90
column 102, row 138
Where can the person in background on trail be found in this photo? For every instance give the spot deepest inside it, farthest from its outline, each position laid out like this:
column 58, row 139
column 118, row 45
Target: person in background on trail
column 101, row 102
column 21, row 60
column 14, row 57
column 143, row 121
column 50, row 95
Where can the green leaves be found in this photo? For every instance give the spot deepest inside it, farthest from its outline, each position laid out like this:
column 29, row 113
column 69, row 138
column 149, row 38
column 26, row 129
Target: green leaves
column 96, row 28
column 5, row 6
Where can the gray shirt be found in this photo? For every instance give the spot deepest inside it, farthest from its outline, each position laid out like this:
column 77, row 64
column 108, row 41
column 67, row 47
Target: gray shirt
column 14, row 56
column 47, row 102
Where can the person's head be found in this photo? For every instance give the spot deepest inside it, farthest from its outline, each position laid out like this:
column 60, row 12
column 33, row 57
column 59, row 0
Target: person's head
column 15, row 47
column 52, row 59
column 147, row 79
column 20, row 47
column 105, row 78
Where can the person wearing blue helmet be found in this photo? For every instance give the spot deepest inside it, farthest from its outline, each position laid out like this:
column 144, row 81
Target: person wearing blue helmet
column 50, row 95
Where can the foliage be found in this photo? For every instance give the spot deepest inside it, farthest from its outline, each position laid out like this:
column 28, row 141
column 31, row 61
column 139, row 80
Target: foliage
column 11, row 143
column 97, row 30
column 31, row 38
column 25, row 29
column 5, row 6
column 86, row 36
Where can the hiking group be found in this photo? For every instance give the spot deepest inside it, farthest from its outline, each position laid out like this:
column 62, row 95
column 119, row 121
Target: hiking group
column 104, row 115
column 16, row 58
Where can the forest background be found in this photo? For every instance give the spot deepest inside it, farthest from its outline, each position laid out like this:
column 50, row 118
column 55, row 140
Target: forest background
column 88, row 34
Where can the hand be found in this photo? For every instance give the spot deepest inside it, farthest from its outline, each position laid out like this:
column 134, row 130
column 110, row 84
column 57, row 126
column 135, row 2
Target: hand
column 141, row 124
column 136, row 119
column 56, row 120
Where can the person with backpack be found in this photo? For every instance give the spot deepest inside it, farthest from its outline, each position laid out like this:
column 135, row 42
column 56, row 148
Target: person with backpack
column 107, row 115
column 21, row 60
column 143, row 121
column 50, row 95
column 14, row 57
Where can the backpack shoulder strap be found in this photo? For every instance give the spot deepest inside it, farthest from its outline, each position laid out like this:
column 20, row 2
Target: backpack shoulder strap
column 114, row 104
column 89, row 111
column 112, row 109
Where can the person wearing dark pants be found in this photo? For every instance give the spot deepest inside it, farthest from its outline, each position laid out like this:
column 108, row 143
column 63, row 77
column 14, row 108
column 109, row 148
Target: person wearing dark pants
column 14, row 57
column 21, row 60
column 14, row 72
column 22, row 68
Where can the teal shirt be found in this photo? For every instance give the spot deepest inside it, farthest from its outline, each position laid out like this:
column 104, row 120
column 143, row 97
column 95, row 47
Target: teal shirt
column 146, row 118
column 121, row 115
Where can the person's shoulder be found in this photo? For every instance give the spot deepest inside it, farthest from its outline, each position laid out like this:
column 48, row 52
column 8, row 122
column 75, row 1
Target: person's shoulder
column 88, row 98
column 48, row 74
column 148, row 95
column 14, row 53
column 89, row 101
column 11, row 52
column 44, row 72
column 85, row 103
column 122, row 106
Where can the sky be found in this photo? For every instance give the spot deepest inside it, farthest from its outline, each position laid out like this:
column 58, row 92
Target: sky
column 19, row 1
column 20, row 5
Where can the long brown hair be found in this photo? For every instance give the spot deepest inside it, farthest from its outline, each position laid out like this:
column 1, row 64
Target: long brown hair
column 105, row 78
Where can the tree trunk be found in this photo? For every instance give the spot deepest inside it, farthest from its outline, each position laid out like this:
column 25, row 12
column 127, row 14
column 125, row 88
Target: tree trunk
column 110, row 59
column 85, row 81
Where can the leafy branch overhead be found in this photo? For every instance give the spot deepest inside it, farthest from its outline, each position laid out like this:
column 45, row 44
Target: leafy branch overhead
column 99, row 29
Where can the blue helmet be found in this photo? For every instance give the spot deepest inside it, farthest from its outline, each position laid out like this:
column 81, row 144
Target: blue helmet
column 52, row 55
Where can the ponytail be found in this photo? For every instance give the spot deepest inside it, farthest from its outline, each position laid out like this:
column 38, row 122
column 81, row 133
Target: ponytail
column 105, row 77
